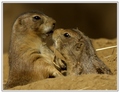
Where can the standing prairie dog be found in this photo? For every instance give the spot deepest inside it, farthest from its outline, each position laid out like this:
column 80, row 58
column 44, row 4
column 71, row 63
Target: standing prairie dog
column 29, row 57
column 77, row 52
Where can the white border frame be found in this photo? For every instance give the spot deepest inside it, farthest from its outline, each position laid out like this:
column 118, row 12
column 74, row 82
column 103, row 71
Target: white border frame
column 62, row 1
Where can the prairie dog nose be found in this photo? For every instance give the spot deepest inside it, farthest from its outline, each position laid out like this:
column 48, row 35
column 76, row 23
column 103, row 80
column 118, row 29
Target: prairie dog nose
column 54, row 24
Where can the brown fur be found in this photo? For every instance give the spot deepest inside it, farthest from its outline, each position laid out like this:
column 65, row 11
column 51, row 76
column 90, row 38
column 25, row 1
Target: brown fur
column 78, row 52
column 29, row 57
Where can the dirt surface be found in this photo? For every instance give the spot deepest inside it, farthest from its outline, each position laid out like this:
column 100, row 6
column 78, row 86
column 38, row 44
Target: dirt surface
column 81, row 82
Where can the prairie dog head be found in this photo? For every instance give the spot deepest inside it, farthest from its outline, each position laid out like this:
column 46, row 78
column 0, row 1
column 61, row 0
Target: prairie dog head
column 34, row 22
column 68, row 41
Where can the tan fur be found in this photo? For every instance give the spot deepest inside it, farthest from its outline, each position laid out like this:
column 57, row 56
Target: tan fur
column 78, row 53
column 29, row 57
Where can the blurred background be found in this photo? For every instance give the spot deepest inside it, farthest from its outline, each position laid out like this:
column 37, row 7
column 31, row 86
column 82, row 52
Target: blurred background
column 96, row 20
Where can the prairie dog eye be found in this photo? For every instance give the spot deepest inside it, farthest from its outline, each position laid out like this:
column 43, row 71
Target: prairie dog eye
column 66, row 35
column 36, row 17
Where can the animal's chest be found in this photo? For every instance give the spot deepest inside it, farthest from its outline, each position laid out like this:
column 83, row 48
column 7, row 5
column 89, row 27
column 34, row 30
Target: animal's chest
column 46, row 53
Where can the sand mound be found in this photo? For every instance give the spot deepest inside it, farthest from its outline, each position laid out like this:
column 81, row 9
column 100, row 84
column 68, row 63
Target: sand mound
column 81, row 82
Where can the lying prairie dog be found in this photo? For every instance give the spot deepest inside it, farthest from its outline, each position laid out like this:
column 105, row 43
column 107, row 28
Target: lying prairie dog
column 77, row 52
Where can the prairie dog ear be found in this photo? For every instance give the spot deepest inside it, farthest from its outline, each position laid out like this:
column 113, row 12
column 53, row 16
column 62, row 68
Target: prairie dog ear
column 20, row 21
column 79, row 46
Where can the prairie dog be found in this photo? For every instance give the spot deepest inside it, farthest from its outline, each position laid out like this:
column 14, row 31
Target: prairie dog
column 29, row 57
column 78, row 52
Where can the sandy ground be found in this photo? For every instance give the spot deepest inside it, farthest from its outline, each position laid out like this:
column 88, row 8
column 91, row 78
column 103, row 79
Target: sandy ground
column 81, row 82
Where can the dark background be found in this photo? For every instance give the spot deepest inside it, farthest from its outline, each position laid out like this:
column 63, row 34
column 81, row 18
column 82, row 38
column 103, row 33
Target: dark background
column 96, row 20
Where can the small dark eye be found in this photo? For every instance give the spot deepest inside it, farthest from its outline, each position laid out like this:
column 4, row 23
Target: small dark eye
column 66, row 35
column 36, row 17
